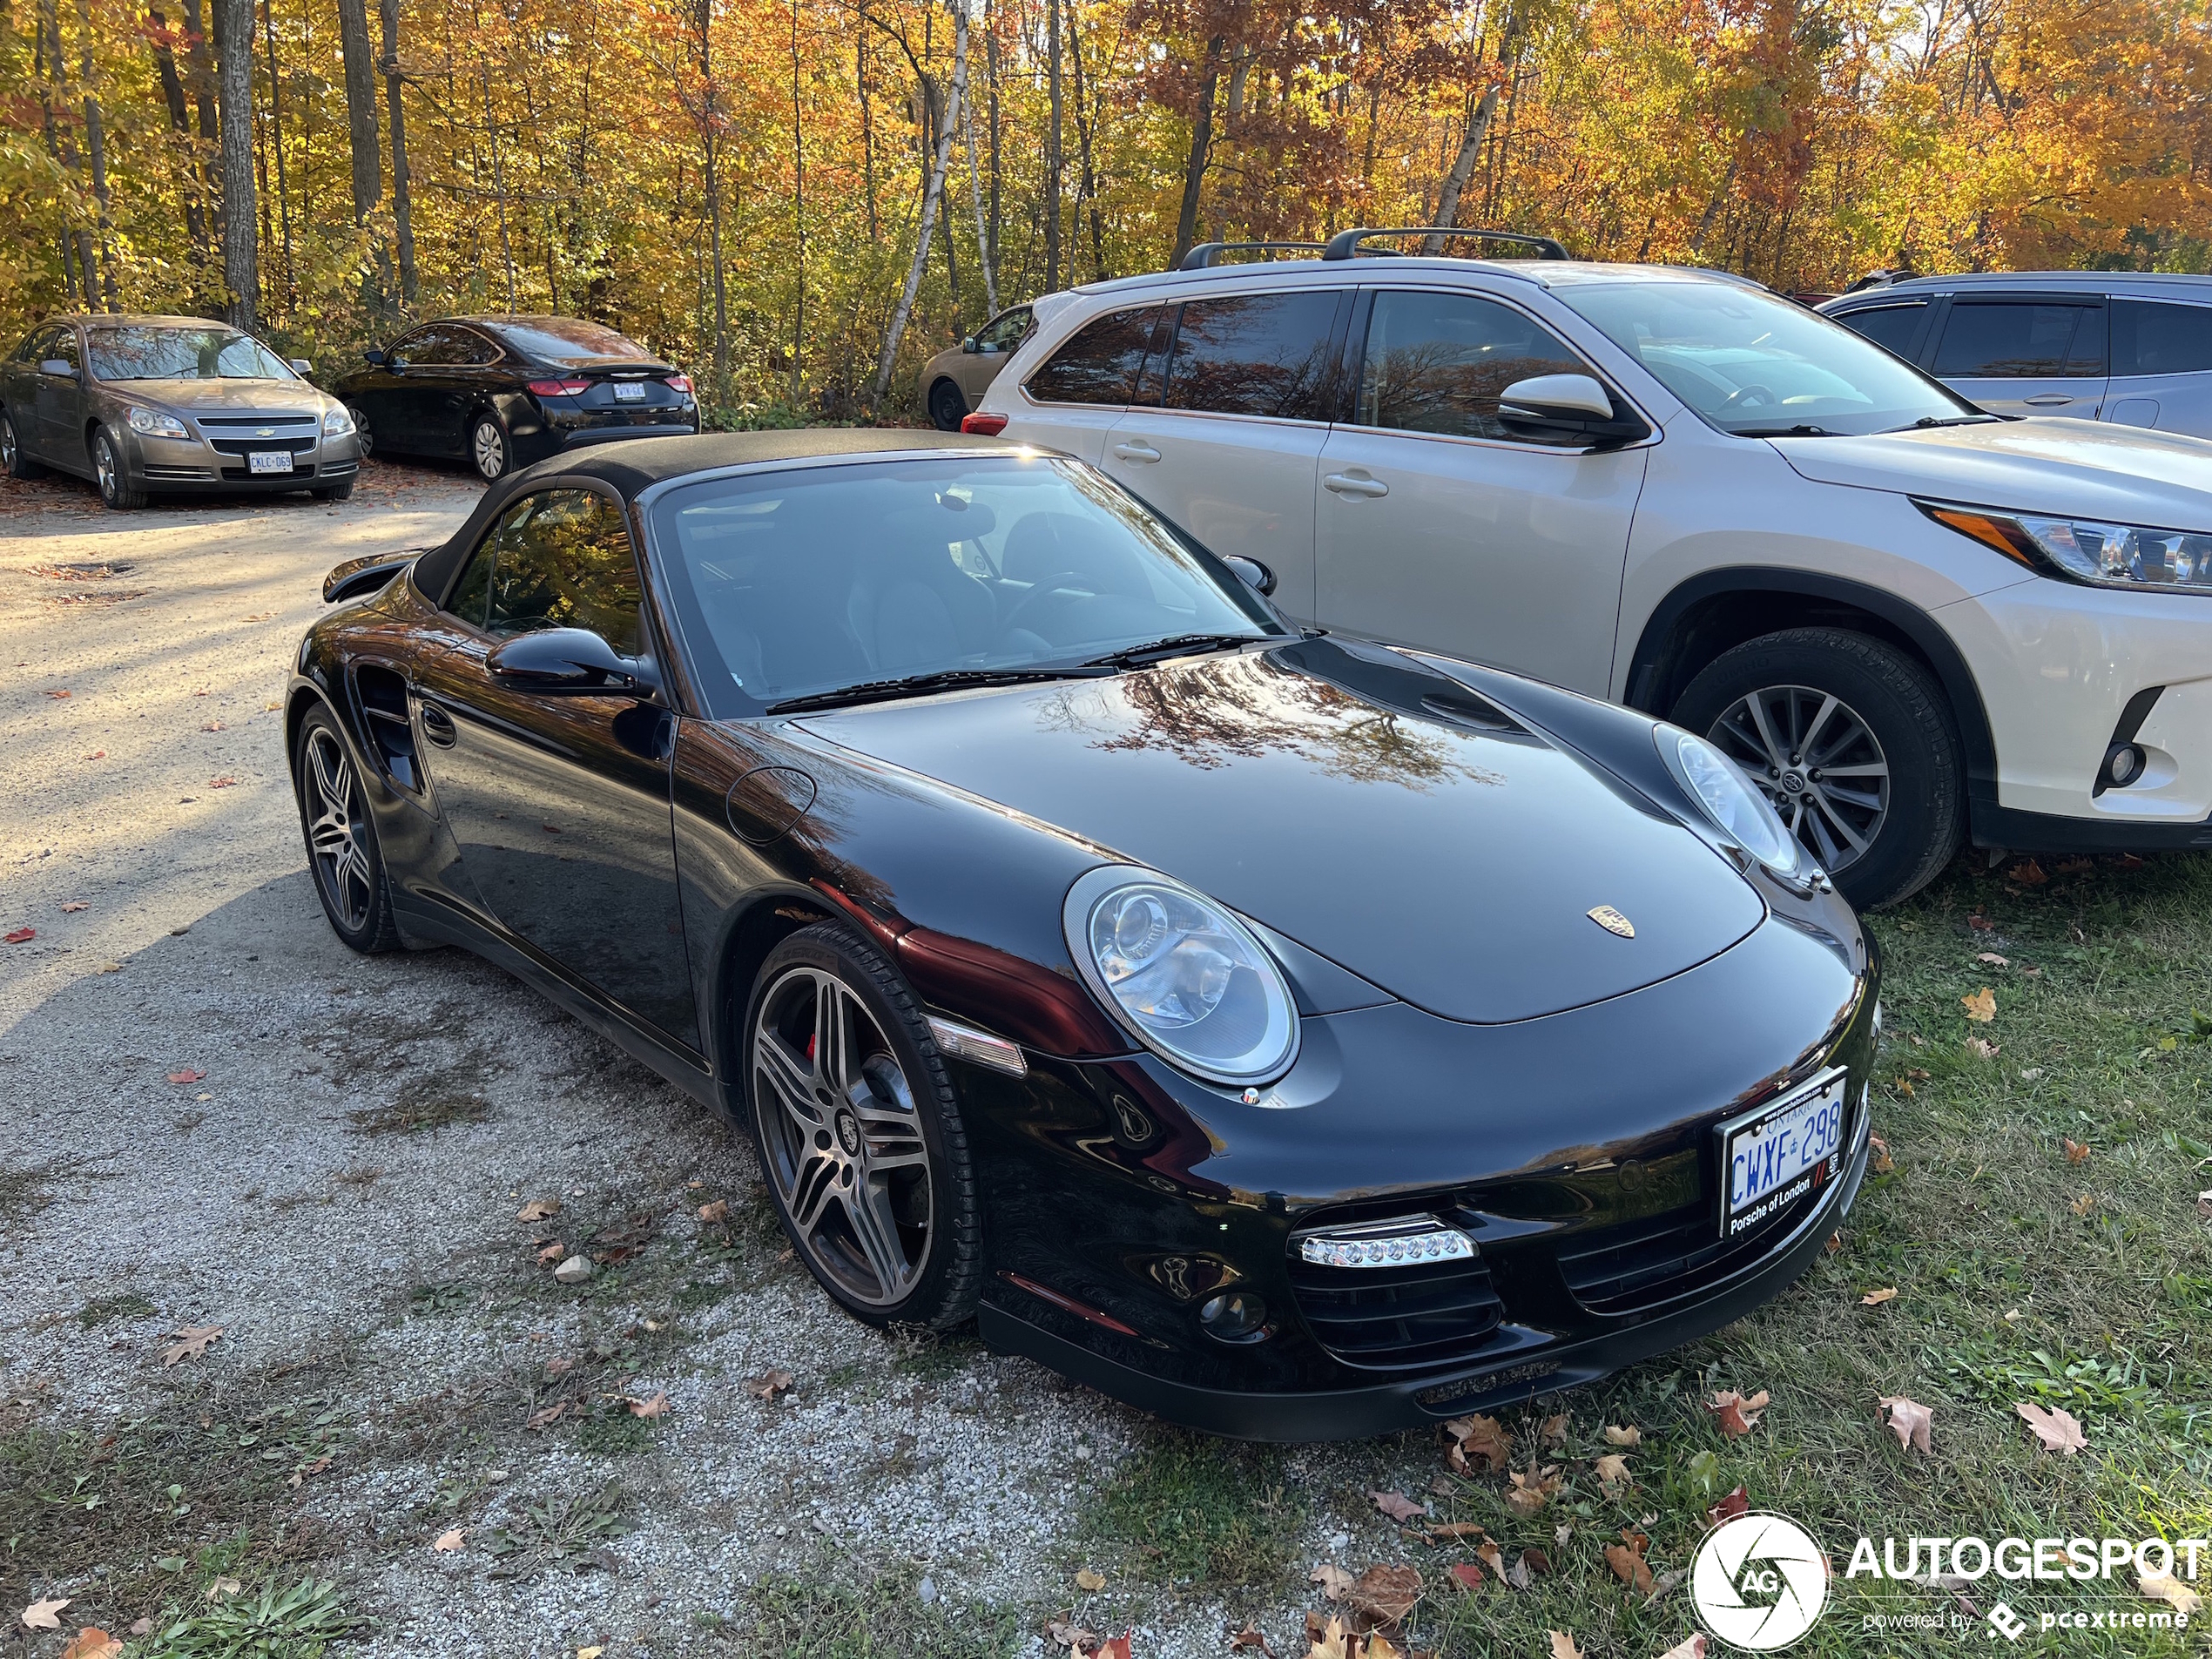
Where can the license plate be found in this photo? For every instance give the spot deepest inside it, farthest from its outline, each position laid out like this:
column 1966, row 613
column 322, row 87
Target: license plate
column 629, row 392
column 1774, row 1156
column 268, row 460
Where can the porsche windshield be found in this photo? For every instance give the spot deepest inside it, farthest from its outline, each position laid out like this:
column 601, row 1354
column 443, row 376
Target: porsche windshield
column 1755, row 364
column 139, row 354
column 803, row 583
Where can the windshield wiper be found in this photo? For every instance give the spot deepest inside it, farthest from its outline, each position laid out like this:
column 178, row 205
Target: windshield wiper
column 1927, row 420
column 1799, row 431
column 1174, row 645
column 923, row 684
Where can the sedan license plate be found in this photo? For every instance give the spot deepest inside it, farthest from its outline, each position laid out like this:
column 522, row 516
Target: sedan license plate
column 1772, row 1157
column 629, row 392
column 258, row 461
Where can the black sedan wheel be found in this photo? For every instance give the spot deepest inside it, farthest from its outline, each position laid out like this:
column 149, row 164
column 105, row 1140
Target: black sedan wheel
column 115, row 488
column 947, row 409
column 489, row 451
column 859, row 1136
column 364, row 440
column 341, row 839
column 13, row 461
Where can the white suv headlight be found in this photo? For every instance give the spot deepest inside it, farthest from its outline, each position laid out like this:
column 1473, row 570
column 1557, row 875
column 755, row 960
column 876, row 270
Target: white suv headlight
column 155, row 424
column 336, row 423
column 1186, row 978
column 1732, row 802
column 2080, row 550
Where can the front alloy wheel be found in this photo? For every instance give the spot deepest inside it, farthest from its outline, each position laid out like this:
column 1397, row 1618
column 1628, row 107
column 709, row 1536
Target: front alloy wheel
column 341, row 839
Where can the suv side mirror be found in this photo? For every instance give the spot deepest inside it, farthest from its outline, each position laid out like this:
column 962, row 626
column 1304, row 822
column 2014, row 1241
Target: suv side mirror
column 570, row 662
column 1568, row 407
column 59, row 366
column 1252, row 573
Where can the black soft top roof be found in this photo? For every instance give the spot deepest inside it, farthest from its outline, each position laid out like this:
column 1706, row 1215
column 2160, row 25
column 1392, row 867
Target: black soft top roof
column 633, row 467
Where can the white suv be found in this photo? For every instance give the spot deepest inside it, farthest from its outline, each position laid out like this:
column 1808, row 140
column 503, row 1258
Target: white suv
column 1909, row 620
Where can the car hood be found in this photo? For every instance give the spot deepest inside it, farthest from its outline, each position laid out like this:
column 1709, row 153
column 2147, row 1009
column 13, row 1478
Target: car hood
column 1453, row 866
column 2078, row 469
column 223, row 397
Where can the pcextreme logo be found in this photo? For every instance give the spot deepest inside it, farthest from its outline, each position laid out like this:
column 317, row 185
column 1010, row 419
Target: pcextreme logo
column 1759, row 1582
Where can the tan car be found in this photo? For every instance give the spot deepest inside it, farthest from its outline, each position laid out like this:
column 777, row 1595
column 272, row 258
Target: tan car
column 952, row 382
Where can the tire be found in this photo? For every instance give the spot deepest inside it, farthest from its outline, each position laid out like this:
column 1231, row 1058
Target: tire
column 342, row 852
column 490, row 450
column 115, row 488
column 947, row 408
column 910, row 1251
column 13, row 461
column 1888, row 712
column 364, row 440
column 334, row 492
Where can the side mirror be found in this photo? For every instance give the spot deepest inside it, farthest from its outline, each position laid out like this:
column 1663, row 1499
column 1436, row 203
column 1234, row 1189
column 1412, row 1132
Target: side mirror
column 60, row 367
column 1567, row 408
column 299, row 366
column 570, row 662
column 1252, row 573
column 374, row 359
column 970, row 346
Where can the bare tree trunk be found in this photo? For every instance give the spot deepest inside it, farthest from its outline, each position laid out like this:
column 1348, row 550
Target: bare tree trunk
column 387, row 13
column 1194, row 172
column 991, row 84
column 276, row 135
column 234, row 59
column 1053, row 160
column 1447, row 202
column 173, row 94
column 867, row 121
column 933, row 192
column 1087, row 183
column 983, row 255
column 710, row 115
column 360, row 121
column 799, row 218
column 499, row 188
column 46, row 69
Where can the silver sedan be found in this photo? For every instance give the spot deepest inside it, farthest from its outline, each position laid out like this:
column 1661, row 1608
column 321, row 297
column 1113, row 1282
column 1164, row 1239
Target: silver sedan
column 153, row 405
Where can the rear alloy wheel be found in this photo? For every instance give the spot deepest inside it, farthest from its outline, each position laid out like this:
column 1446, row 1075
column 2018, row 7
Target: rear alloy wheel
column 489, row 451
column 858, row 1133
column 13, row 461
column 1853, row 742
column 947, row 409
column 341, row 839
column 115, row 488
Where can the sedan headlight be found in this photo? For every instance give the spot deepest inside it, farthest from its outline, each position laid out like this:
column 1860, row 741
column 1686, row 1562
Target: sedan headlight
column 336, row 423
column 1732, row 802
column 155, row 424
column 1188, row 980
column 2082, row 549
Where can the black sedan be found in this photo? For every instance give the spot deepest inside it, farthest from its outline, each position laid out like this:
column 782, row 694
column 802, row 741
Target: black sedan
column 502, row 392
column 1297, row 1037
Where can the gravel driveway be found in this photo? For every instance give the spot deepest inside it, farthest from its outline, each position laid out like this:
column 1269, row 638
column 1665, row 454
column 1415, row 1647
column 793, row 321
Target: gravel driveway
column 339, row 1191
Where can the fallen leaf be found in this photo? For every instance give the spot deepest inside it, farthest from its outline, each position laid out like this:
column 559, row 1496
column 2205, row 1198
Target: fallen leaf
column 1329, row 1640
column 225, row 782
column 654, row 1405
column 2164, row 1587
column 1456, row 1529
column 1249, row 1638
column 1835, row 1243
column 1981, row 1007
column 1467, row 1575
column 1112, row 1648
column 1398, row 1505
column 1628, row 1566
column 590, row 1653
column 1875, row 1298
column 1883, row 1163
column 769, row 1384
column 223, row 1587
column 108, row 968
column 187, row 1075
column 449, row 1541
column 1531, row 1492
column 1335, row 1582
column 716, row 1211
column 1493, row 1558
column 1535, row 1560
column 92, row 1642
column 1613, row 1474
column 1563, row 1645
column 1379, row 1646
column 2058, row 1430
column 552, row 1252
column 1073, row 1637
column 1993, row 960
column 44, row 1615
column 1981, row 923
column 20, row 936
column 1385, row 1594
column 191, row 1343
column 1477, row 1437
column 59, row 696
column 212, row 726
column 550, row 1415
column 1089, row 1582
column 97, row 754
column 1981, row 1047
column 539, row 1210
column 1630, row 1435
column 1737, row 1502
column 2077, row 1152
column 76, row 904
column 1911, row 1422
column 2027, row 873
column 1737, row 1414
column 1555, row 1430
column 2084, row 1204
column 1689, row 1648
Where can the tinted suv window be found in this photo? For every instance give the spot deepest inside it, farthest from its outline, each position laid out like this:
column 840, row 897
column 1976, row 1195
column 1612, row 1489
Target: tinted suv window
column 560, row 559
column 1254, row 354
column 1996, row 340
column 1099, row 364
column 2151, row 338
column 1891, row 327
column 1437, row 362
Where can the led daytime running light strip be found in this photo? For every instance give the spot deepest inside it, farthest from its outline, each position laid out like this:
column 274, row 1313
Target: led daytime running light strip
column 1421, row 1238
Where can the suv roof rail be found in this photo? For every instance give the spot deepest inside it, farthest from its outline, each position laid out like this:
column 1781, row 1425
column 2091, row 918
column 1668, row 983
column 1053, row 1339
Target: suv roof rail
column 1208, row 254
column 1345, row 245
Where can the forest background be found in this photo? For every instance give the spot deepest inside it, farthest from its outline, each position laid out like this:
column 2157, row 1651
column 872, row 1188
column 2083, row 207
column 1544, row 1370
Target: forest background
column 800, row 199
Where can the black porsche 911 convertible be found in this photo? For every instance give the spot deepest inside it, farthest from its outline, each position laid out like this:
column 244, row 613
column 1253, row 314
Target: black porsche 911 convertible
column 1295, row 1037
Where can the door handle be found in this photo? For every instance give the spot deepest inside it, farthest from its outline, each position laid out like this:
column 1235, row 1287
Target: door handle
column 437, row 725
column 2047, row 400
column 1138, row 450
column 1355, row 483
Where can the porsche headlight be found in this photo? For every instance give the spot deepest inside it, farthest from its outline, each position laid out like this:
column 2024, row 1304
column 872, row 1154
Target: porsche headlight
column 2081, row 549
column 155, row 424
column 1732, row 802
column 336, row 423
column 1187, row 979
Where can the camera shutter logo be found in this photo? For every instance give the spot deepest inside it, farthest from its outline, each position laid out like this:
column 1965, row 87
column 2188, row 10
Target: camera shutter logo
column 1759, row 1582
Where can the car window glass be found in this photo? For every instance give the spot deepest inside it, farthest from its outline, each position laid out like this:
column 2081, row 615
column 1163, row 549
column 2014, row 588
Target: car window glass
column 1254, row 354
column 2149, row 337
column 1005, row 333
column 1889, row 327
column 1437, row 362
column 566, row 563
column 65, row 347
column 39, row 347
column 183, row 353
column 1996, row 342
column 472, row 593
column 1099, row 363
column 437, row 344
column 471, row 347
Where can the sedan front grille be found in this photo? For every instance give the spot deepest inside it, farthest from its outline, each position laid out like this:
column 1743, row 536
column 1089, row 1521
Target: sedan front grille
column 1400, row 1317
column 246, row 446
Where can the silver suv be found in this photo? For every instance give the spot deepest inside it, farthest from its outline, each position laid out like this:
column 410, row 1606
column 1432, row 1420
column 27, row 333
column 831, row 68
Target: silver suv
column 2121, row 347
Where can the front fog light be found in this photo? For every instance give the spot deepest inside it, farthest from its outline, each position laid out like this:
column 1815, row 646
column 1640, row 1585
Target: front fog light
column 2123, row 765
column 1237, row 1315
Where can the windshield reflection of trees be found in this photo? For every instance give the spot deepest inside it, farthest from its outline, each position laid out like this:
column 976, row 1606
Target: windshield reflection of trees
column 1243, row 708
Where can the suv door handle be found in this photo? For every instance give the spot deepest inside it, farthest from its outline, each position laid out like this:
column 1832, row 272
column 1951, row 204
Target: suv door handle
column 2047, row 400
column 1136, row 450
column 1355, row 483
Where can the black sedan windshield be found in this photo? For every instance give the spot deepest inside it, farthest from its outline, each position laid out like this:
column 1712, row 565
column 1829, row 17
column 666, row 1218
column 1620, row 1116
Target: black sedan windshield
column 1753, row 363
column 148, row 353
column 799, row 583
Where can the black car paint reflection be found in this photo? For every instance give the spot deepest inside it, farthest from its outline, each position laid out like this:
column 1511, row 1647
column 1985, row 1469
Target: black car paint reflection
column 1416, row 842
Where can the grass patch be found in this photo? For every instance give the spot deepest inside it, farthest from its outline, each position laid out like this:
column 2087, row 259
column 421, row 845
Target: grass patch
column 1200, row 1513
column 615, row 1432
column 574, row 1532
column 449, row 1298
column 883, row 1616
column 101, row 1310
column 296, row 1623
column 419, row 1111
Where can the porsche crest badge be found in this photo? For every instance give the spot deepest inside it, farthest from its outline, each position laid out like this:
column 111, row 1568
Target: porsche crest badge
column 1613, row 922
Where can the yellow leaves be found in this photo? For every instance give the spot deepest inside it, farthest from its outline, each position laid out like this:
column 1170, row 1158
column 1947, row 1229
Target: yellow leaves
column 2058, row 1431
column 1875, row 1298
column 2077, row 1152
column 1883, row 1163
column 92, row 1642
column 1629, row 1436
column 1089, row 1582
column 715, row 1212
column 1911, row 1422
column 1563, row 1646
column 1981, row 1007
